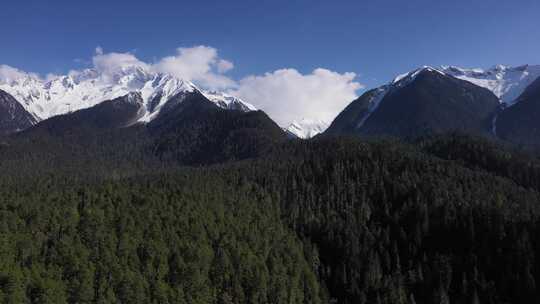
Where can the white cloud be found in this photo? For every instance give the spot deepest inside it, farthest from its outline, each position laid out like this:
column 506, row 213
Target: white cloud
column 51, row 76
column 200, row 64
column 284, row 94
column 224, row 66
column 9, row 74
column 288, row 95
column 111, row 63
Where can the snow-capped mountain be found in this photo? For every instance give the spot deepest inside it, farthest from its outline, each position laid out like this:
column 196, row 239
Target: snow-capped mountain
column 424, row 101
column 507, row 83
column 375, row 96
column 83, row 89
column 306, row 128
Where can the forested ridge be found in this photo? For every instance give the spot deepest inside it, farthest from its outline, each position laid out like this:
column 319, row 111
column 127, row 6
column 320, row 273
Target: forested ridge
column 121, row 217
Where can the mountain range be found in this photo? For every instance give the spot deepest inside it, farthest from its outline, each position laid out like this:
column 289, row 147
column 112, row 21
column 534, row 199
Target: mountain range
column 500, row 102
column 496, row 103
column 44, row 99
column 172, row 194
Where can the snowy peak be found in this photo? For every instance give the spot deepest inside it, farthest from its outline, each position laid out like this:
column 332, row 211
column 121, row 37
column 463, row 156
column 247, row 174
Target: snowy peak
column 87, row 88
column 409, row 77
column 134, row 98
column 306, row 128
column 376, row 96
column 423, row 101
column 507, row 83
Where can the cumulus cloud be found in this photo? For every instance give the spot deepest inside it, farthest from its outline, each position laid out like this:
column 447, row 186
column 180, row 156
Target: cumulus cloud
column 200, row 64
column 288, row 95
column 111, row 63
column 284, row 94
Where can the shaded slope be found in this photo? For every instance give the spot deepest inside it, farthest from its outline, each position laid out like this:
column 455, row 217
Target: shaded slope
column 423, row 102
column 433, row 103
column 13, row 117
column 111, row 114
column 194, row 130
column 520, row 123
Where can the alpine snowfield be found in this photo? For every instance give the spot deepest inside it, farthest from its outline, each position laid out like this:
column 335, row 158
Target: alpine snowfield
column 507, row 83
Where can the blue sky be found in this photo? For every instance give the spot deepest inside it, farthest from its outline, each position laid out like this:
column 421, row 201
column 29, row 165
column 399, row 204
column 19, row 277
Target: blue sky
column 374, row 39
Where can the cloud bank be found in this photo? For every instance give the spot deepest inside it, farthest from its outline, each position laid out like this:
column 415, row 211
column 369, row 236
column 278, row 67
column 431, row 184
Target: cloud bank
column 284, row 94
column 9, row 74
column 288, row 95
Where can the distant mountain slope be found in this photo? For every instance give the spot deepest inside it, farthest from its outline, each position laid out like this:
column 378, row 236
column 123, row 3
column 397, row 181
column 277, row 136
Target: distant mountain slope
column 422, row 102
column 194, row 130
column 13, row 117
column 520, row 123
column 120, row 112
column 190, row 129
column 351, row 119
column 306, row 128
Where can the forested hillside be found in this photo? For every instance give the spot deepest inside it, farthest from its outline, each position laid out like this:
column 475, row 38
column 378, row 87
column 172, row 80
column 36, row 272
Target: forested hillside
column 117, row 217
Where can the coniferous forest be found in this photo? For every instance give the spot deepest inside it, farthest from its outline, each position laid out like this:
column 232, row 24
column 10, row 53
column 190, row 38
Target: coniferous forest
column 270, row 152
column 121, row 216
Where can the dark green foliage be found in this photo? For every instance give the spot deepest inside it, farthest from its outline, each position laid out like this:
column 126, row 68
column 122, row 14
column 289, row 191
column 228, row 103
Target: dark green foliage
column 196, row 131
column 521, row 166
column 392, row 224
column 192, row 132
column 162, row 240
column 112, row 216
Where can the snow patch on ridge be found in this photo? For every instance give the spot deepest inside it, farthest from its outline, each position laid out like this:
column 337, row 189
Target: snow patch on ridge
column 229, row 102
column 404, row 79
column 374, row 103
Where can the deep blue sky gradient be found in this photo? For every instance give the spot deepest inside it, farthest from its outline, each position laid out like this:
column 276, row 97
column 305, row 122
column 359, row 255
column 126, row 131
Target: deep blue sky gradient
column 375, row 39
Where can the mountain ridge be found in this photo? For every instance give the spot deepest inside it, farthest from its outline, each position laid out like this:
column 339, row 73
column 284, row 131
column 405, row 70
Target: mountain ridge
column 13, row 117
column 44, row 98
column 57, row 95
column 506, row 82
column 420, row 102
